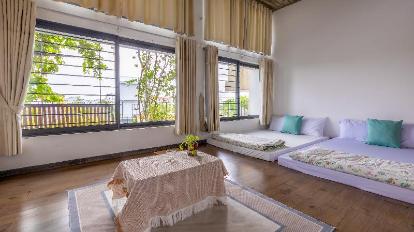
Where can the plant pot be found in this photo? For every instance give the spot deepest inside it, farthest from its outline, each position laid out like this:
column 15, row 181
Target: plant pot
column 192, row 150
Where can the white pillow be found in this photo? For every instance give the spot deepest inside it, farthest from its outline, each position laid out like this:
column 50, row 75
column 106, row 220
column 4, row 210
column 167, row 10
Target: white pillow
column 353, row 129
column 277, row 123
column 313, row 126
column 407, row 136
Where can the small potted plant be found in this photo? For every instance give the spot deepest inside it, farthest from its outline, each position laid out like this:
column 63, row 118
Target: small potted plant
column 190, row 143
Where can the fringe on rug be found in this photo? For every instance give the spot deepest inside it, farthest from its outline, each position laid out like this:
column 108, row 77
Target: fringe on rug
column 186, row 212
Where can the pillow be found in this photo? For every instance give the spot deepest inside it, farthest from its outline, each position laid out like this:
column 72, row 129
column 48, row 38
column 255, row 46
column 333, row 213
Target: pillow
column 313, row 126
column 407, row 136
column 353, row 129
column 277, row 123
column 384, row 133
column 292, row 124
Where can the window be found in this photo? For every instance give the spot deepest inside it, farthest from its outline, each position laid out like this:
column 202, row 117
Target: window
column 83, row 80
column 147, row 85
column 239, row 94
column 72, row 82
column 249, row 90
column 228, row 93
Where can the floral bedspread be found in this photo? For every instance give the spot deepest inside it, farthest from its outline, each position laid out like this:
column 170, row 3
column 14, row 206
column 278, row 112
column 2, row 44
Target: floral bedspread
column 249, row 141
column 387, row 171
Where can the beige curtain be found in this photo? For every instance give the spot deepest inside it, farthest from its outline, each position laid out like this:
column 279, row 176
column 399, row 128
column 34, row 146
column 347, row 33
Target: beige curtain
column 185, row 117
column 201, row 114
column 217, row 20
column 258, row 28
column 17, row 24
column 238, row 23
column 176, row 15
column 212, row 89
column 244, row 24
column 266, row 76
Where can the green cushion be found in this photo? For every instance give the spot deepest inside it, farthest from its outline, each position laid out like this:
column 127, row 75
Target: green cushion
column 384, row 133
column 292, row 124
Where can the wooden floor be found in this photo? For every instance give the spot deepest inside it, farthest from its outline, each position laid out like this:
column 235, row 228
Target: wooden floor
column 37, row 202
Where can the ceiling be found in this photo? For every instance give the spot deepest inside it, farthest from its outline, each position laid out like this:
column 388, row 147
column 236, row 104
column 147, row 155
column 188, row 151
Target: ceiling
column 277, row 4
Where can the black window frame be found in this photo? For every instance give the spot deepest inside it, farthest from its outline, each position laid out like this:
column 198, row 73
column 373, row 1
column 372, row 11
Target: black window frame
column 238, row 63
column 117, row 40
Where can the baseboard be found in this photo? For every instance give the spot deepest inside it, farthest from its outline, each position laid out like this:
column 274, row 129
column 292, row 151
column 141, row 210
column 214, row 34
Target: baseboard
column 67, row 163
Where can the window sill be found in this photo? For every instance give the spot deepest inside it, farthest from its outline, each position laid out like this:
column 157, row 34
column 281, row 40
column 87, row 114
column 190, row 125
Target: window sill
column 226, row 119
column 87, row 129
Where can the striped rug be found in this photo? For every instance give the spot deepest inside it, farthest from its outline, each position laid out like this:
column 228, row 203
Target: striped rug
column 246, row 210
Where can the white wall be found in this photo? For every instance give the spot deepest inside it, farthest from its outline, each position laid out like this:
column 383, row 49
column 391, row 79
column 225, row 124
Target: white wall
column 56, row 148
column 345, row 59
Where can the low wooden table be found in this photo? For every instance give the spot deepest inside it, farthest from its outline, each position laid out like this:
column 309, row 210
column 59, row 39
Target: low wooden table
column 167, row 188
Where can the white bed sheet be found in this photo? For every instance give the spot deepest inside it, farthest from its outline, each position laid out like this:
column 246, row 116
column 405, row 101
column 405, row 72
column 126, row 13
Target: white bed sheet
column 353, row 146
column 293, row 142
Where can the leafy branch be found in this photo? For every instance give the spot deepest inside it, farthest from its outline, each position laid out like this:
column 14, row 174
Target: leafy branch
column 48, row 57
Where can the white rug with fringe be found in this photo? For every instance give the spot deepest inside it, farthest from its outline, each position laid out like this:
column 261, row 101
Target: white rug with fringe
column 91, row 209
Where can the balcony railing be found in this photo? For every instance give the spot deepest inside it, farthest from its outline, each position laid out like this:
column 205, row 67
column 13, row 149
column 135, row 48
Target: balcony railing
column 130, row 112
column 36, row 116
column 229, row 109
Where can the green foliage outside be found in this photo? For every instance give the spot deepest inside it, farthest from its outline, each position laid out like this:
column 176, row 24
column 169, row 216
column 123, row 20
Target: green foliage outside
column 229, row 107
column 46, row 61
column 155, row 82
column 155, row 86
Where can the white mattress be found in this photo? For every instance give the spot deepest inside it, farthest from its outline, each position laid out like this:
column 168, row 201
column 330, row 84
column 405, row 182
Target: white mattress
column 293, row 142
column 356, row 147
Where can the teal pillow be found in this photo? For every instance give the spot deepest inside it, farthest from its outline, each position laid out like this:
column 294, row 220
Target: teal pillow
column 292, row 124
column 384, row 133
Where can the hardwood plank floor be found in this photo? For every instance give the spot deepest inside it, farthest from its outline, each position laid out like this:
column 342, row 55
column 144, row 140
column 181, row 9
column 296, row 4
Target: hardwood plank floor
column 37, row 202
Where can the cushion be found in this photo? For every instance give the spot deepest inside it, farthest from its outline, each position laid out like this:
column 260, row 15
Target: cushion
column 384, row 133
column 407, row 136
column 292, row 124
column 353, row 129
column 313, row 126
column 277, row 123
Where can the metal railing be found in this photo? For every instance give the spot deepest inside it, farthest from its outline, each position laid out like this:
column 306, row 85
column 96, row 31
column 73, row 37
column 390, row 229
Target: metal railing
column 131, row 113
column 229, row 109
column 37, row 116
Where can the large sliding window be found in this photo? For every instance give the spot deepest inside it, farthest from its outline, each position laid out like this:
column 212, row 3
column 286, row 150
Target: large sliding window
column 72, row 82
column 147, row 85
column 239, row 94
column 83, row 80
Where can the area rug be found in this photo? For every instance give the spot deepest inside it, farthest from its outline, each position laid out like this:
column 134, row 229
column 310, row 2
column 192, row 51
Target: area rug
column 90, row 210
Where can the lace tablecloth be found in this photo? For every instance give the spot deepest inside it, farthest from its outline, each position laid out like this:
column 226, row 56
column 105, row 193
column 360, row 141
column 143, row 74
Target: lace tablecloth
column 165, row 189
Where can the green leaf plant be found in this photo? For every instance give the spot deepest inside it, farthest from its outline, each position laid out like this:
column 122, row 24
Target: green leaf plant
column 190, row 143
column 47, row 58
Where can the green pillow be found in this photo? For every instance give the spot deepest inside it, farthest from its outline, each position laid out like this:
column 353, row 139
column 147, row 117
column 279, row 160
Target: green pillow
column 384, row 133
column 292, row 124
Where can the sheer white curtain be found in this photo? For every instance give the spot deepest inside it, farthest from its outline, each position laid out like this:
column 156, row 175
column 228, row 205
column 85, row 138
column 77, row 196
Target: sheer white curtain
column 17, row 25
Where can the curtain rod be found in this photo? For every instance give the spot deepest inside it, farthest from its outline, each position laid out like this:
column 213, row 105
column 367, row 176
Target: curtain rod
column 242, row 53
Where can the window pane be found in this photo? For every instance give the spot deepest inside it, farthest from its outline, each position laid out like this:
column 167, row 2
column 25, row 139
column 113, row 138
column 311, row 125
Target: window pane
column 72, row 82
column 147, row 85
column 249, row 91
column 227, row 75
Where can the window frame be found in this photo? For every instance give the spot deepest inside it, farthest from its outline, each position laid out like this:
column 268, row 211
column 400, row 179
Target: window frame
column 138, row 44
column 117, row 40
column 238, row 63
